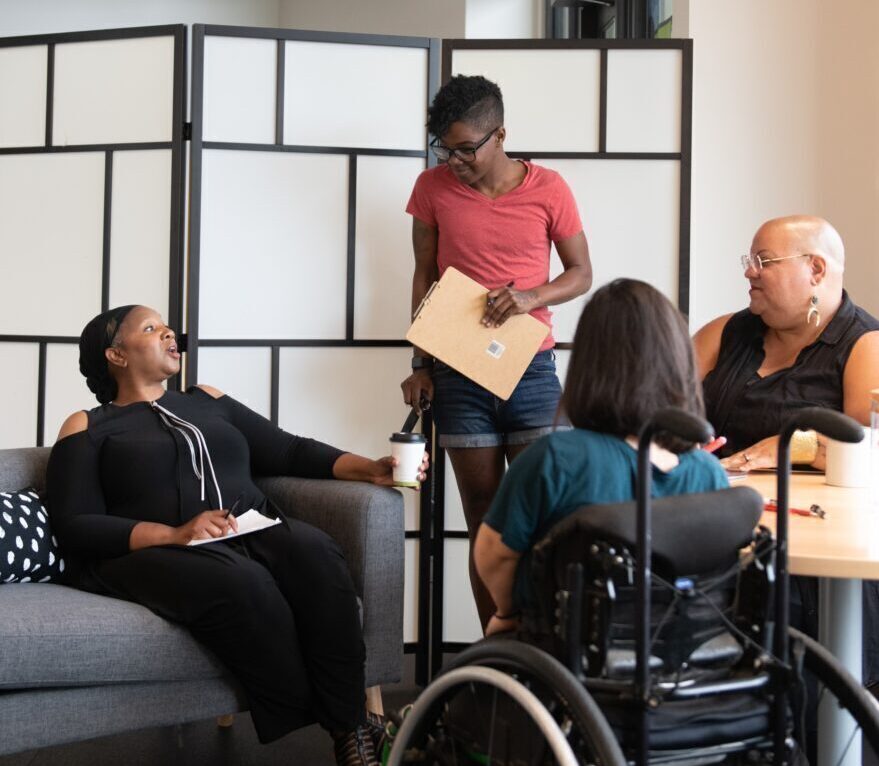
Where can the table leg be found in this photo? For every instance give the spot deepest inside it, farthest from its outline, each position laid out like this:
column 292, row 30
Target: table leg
column 840, row 619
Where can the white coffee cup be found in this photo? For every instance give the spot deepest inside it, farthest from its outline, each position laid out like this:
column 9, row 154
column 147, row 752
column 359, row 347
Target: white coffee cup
column 848, row 465
column 408, row 449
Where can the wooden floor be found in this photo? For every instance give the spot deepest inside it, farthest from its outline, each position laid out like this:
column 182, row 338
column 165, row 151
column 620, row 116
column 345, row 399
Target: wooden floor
column 198, row 743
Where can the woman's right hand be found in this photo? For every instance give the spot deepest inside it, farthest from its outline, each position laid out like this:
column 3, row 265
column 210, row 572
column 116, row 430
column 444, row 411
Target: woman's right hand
column 418, row 386
column 208, row 524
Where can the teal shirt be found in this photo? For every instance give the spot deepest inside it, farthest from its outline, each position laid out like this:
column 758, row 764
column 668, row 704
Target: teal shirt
column 567, row 469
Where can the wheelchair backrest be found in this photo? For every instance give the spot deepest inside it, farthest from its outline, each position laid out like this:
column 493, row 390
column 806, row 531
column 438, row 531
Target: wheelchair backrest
column 697, row 540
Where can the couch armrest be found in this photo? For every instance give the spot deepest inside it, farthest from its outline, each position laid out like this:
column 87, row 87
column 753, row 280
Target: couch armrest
column 367, row 523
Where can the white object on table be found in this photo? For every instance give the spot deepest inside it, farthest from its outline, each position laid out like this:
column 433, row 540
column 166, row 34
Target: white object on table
column 842, row 549
column 848, row 465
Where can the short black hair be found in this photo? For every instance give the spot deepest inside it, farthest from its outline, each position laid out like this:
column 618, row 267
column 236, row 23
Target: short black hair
column 473, row 100
column 631, row 357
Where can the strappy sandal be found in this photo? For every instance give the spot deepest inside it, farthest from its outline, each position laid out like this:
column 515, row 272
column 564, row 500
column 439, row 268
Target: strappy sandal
column 355, row 748
column 376, row 723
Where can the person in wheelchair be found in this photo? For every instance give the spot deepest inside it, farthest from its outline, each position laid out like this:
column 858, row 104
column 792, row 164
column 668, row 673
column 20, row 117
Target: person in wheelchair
column 631, row 356
column 646, row 631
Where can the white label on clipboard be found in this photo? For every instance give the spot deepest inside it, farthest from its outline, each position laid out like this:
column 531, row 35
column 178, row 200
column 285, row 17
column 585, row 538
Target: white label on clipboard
column 495, row 349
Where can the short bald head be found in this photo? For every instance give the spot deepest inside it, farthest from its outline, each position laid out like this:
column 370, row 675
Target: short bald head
column 805, row 234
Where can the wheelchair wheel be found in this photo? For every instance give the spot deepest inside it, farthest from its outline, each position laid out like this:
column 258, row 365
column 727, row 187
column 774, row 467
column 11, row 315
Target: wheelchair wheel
column 503, row 702
column 831, row 684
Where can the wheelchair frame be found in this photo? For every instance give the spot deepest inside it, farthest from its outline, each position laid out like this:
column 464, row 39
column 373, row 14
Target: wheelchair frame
column 776, row 673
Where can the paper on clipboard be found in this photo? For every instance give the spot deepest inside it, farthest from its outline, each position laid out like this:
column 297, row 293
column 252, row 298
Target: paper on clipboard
column 448, row 325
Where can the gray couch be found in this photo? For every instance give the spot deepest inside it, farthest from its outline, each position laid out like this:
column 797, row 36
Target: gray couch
column 74, row 665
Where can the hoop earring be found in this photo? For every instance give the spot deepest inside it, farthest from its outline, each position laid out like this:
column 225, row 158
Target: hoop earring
column 813, row 311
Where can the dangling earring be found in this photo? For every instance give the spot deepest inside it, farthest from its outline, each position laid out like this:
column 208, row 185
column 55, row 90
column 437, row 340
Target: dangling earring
column 813, row 311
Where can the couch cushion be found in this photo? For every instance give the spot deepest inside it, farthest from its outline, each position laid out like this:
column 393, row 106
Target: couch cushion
column 52, row 635
column 28, row 549
column 24, row 467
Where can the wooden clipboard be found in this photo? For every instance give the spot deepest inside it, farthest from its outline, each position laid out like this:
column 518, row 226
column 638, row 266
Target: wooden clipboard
column 448, row 325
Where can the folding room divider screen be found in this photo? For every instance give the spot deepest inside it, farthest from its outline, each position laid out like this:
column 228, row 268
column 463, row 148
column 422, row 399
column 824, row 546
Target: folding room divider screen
column 304, row 148
column 91, row 204
column 613, row 117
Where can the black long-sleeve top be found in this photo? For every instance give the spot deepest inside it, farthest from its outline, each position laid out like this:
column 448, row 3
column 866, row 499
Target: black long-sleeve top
column 128, row 467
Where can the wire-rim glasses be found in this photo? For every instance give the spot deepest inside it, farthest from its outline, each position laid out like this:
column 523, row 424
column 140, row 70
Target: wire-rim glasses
column 465, row 155
column 757, row 261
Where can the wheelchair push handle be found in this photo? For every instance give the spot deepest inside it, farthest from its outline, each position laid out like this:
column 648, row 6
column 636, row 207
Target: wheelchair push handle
column 830, row 423
column 679, row 423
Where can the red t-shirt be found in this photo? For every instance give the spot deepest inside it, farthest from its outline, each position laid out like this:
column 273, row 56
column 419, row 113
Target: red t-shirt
column 498, row 241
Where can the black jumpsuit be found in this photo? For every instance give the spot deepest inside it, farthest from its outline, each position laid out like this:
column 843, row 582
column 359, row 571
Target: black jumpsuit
column 278, row 606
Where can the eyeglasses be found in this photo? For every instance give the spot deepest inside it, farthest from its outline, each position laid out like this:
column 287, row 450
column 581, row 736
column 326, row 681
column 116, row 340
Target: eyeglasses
column 465, row 155
column 755, row 261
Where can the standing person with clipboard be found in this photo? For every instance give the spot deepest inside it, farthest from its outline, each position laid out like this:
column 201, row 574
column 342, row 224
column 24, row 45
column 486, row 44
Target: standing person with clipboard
column 494, row 219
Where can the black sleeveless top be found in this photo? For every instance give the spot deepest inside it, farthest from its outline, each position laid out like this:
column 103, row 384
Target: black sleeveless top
column 746, row 408
column 128, row 466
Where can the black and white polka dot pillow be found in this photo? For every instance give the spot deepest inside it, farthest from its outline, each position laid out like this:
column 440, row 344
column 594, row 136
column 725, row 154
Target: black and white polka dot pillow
column 28, row 549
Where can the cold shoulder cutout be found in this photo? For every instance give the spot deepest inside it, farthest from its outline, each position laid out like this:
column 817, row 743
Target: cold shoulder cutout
column 216, row 393
column 77, row 422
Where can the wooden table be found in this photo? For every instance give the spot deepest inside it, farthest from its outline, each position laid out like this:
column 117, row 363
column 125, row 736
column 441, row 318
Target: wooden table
column 842, row 550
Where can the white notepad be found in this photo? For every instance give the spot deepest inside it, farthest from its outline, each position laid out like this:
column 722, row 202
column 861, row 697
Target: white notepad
column 249, row 521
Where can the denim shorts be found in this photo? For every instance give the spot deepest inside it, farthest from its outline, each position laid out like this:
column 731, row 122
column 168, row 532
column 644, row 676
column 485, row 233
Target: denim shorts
column 467, row 415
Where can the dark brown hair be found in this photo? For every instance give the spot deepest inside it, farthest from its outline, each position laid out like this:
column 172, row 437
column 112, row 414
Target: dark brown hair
column 632, row 356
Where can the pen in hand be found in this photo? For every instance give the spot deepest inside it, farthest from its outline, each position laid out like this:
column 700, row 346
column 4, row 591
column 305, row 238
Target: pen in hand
column 233, row 507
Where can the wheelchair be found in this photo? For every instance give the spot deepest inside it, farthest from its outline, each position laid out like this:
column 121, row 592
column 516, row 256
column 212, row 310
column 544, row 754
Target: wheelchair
column 660, row 637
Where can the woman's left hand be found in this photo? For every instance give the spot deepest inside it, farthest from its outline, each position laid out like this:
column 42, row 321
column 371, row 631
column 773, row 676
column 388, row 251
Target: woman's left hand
column 759, row 456
column 383, row 475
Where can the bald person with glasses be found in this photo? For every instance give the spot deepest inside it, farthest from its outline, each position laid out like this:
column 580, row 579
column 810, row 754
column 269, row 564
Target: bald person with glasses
column 801, row 342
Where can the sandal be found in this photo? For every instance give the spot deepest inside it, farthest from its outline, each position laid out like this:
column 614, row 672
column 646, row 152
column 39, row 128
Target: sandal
column 375, row 723
column 355, row 748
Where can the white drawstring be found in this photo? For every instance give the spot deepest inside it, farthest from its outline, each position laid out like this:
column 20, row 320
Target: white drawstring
column 178, row 424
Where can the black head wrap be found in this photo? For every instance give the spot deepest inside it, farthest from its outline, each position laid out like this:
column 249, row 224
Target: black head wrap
column 96, row 338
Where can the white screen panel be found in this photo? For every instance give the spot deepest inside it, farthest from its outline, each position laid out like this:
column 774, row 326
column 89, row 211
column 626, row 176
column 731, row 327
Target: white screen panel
column 66, row 391
column 644, row 100
column 460, row 618
column 239, row 89
column 453, row 508
column 243, row 373
column 410, row 592
column 383, row 246
column 411, row 510
column 349, row 397
column 318, row 397
column 23, row 95
column 113, row 91
column 551, row 97
column 562, row 359
column 18, row 395
column 51, row 240
column 330, row 91
column 630, row 217
column 140, row 229
column 274, row 239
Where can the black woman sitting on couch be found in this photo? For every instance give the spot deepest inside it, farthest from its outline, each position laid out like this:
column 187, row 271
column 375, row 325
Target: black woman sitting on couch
column 133, row 481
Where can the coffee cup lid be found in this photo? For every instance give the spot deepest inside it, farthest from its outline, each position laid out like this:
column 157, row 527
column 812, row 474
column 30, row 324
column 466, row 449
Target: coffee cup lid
column 410, row 438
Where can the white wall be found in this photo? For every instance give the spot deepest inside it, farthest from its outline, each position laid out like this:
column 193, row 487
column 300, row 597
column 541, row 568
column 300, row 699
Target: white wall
column 848, row 135
column 419, row 18
column 28, row 17
column 785, row 120
column 504, row 19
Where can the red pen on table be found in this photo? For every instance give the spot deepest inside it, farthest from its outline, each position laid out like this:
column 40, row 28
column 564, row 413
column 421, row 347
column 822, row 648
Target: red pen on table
column 771, row 505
